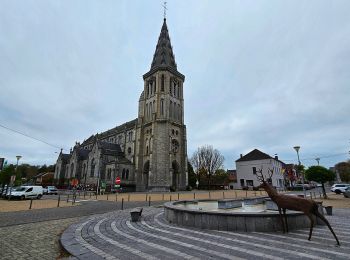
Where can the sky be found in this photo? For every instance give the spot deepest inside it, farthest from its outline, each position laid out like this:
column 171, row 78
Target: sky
column 261, row 74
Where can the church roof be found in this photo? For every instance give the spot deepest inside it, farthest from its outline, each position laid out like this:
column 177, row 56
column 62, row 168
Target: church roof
column 163, row 57
column 254, row 155
column 110, row 149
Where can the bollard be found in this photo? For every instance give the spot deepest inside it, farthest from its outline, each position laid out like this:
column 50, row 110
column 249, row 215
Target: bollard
column 58, row 201
column 149, row 201
column 163, row 197
column 31, row 202
column 122, row 203
column 146, row 196
column 170, row 198
column 194, row 195
column 128, row 197
column 107, row 196
column 67, row 198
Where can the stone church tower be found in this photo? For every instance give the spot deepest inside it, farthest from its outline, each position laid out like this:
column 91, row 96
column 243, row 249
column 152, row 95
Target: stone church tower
column 147, row 153
column 161, row 153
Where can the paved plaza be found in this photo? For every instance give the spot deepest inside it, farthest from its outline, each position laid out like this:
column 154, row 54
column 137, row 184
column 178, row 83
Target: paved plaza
column 113, row 236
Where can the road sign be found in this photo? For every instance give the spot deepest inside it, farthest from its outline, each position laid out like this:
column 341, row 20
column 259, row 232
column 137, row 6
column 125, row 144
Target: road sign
column 116, row 186
column 74, row 182
column 117, row 180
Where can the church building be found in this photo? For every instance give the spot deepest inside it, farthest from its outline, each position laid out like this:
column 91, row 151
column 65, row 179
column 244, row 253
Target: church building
column 148, row 153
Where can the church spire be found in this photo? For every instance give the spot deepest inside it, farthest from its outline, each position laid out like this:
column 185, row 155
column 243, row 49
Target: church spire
column 164, row 56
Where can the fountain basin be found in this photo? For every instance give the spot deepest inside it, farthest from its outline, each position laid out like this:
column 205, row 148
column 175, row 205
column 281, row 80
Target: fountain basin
column 251, row 216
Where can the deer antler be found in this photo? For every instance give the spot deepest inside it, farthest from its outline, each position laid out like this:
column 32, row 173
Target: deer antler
column 260, row 175
column 271, row 172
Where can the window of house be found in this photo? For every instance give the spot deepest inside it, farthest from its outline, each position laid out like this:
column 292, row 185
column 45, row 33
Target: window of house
column 129, row 150
column 254, row 170
column 250, row 183
column 162, row 84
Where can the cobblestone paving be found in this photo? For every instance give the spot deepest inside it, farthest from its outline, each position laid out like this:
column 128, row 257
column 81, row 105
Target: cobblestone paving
column 33, row 241
column 113, row 236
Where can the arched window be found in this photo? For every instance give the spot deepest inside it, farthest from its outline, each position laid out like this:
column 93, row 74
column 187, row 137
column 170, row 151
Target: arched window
column 179, row 112
column 174, row 89
column 162, row 107
column 109, row 173
column 171, row 109
column 123, row 174
column 147, row 150
column 151, row 86
column 146, row 114
column 92, row 172
column 127, row 174
column 154, row 107
column 72, row 170
column 162, row 83
column 147, row 90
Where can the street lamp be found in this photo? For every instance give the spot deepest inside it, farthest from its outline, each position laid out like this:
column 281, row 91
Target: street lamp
column 13, row 177
column 297, row 148
column 318, row 161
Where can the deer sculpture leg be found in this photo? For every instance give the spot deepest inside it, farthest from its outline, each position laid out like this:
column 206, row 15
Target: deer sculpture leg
column 285, row 219
column 318, row 214
column 310, row 216
column 282, row 221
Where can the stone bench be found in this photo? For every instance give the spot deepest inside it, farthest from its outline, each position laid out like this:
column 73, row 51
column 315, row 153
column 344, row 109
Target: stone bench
column 136, row 214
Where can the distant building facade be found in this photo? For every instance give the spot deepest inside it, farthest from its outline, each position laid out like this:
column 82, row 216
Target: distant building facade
column 148, row 153
column 249, row 164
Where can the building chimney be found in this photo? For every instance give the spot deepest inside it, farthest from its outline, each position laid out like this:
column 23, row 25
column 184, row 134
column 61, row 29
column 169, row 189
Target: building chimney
column 276, row 157
column 241, row 155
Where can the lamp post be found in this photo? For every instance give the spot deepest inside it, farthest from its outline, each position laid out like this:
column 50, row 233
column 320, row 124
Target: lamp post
column 318, row 161
column 297, row 148
column 13, row 177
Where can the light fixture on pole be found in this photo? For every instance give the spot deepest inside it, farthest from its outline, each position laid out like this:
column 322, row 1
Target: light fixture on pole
column 13, row 177
column 297, row 148
column 318, row 161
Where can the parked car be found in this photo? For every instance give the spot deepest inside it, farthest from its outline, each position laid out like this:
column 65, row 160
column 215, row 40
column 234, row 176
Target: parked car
column 26, row 192
column 347, row 192
column 339, row 188
column 50, row 190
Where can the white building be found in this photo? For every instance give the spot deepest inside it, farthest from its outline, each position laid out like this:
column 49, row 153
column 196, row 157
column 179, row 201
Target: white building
column 249, row 164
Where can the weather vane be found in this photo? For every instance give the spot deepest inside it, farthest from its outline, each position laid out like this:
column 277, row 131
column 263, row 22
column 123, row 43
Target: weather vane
column 164, row 6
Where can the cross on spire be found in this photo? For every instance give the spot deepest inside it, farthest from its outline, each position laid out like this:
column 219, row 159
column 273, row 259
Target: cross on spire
column 165, row 8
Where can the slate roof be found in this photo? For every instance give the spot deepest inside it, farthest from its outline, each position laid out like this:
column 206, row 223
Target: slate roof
column 65, row 157
column 110, row 149
column 254, row 155
column 164, row 57
column 83, row 153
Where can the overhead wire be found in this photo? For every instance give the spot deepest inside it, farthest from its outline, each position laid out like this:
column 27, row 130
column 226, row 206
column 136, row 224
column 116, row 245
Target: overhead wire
column 28, row 136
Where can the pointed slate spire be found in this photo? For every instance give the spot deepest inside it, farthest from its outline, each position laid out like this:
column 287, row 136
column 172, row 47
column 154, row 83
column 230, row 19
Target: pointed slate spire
column 164, row 56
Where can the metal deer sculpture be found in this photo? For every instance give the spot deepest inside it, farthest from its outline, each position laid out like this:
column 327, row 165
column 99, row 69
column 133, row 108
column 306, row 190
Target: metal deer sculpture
column 284, row 202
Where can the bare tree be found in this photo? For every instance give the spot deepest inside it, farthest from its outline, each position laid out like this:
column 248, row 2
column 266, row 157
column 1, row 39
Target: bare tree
column 207, row 158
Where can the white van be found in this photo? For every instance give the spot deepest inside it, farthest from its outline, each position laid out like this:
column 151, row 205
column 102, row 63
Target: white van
column 27, row 192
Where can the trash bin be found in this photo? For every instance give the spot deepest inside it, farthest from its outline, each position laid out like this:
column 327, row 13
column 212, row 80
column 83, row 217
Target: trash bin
column 329, row 210
column 135, row 216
